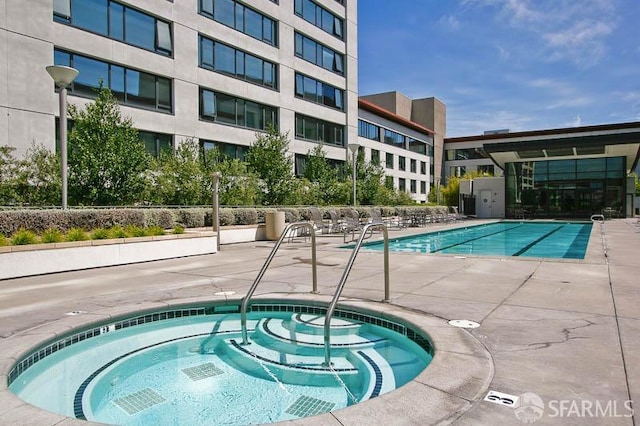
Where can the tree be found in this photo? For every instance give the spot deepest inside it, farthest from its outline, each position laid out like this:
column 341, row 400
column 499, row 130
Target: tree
column 267, row 158
column 7, row 175
column 176, row 177
column 237, row 186
column 38, row 177
column 107, row 161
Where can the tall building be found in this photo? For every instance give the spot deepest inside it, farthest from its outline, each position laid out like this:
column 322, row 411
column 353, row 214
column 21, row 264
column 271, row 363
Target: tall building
column 214, row 70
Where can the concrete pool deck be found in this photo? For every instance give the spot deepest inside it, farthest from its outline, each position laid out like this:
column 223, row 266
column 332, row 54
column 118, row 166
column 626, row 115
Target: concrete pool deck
column 567, row 331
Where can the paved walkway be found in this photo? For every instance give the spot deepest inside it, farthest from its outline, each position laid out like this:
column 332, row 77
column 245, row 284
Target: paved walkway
column 568, row 331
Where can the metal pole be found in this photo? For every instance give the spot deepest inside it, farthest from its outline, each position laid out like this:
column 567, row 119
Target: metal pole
column 63, row 142
column 216, row 208
column 353, row 164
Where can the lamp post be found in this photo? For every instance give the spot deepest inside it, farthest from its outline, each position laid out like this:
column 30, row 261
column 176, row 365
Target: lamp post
column 216, row 207
column 63, row 76
column 353, row 147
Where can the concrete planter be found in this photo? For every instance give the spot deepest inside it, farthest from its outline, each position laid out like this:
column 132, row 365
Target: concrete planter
column 36, row 259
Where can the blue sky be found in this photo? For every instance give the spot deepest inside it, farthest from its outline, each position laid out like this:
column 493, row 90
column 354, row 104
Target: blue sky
column 506, row 64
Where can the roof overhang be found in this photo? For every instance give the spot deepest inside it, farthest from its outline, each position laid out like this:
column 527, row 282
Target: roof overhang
column 624, row 144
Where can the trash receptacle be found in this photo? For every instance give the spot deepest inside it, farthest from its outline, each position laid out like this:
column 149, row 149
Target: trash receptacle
column 274, row 222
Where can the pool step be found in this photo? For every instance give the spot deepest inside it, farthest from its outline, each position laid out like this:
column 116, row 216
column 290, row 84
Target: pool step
column 285, row 335
column 314, row 324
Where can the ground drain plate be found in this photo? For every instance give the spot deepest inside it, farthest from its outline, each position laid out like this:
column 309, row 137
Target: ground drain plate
column 464, row 323
column 306, row 406
column 202, row 371
column 138, row 401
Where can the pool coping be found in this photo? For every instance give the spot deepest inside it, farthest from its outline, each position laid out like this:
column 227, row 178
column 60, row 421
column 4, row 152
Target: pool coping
column 459, row 373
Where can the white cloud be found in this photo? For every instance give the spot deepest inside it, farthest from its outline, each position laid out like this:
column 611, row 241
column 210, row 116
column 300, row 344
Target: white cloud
column 567, row 30
column 576, row 122
column 451, row 21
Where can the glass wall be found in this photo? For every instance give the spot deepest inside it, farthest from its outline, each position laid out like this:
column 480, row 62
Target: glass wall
column 116, row 21
column 242, row 18
column 565, row 188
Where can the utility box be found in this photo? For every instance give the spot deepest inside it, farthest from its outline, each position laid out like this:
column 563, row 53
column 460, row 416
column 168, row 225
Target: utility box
column 274, row 224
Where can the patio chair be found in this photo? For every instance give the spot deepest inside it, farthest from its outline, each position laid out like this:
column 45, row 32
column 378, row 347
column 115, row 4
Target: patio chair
column 321, row 225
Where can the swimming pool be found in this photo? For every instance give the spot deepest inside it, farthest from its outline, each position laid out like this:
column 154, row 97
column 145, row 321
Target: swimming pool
column 186, row 366
column 552, row 239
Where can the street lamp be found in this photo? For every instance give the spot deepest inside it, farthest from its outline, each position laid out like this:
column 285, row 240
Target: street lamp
column 63, row 76
column 354, row 151
column 216, row 207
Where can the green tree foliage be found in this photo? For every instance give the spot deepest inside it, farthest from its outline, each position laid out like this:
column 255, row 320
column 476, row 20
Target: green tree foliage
column 7, row 175
column 107, row 161
column 449, row 194
column 176, row 176
column 39, row 179
column 268, row 159
column 320, row 185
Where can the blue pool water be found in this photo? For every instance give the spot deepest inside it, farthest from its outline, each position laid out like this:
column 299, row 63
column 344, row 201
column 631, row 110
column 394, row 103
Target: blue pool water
column 563, row 240
column 188, row 367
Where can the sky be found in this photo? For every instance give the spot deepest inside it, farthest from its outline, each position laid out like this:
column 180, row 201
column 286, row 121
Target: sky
column 506, row 64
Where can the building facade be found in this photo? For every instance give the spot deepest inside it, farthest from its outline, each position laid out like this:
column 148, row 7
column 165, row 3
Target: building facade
column 217, row 71
column 570, row 172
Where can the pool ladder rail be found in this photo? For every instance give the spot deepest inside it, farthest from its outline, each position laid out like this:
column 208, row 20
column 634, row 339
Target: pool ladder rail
column 343, row 279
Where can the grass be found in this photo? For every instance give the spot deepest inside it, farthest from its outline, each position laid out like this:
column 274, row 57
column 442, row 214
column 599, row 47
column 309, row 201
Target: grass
column 117, row 232
column 100, row 234
column 24, row 237
column 3, row 240
column 135, row 231
column 153, row 231
column 52, row 235
column 178, row 229
column 76, row 234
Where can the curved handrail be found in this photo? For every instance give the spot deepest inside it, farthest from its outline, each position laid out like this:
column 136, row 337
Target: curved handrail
column 597, row 218
column 245, row 300
column 343, row 280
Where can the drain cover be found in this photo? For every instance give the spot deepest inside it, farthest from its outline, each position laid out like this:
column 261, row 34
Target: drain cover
column 501, row 398
column 307, row 406
column 139, row 401
column 464, row 323
column 202, row 371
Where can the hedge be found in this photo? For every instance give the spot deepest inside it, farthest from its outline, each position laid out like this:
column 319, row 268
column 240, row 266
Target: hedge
column 196, row 217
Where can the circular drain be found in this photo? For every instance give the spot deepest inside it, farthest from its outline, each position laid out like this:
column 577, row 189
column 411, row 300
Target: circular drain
column 464, row 324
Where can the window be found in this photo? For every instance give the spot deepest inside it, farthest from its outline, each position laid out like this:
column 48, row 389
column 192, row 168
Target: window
column 156, row 142
column 224, row 150
column 423, row 168
column 219, row 57
column 320, row 17
column 321, row 93
column 402, row 163
column 388, row 182
column 319, row 130
column 242, row 18
column 368, row 130
column 130, row 87
column 413, row 186
column 417, row 146
column 466, row 154
column 413, row 166
column 486, row 168
column 389, row 161
column 402, row 184
column 457, row 171
column 227, row 109
column 394, row 138
column 375, row 157
column 319, row 54
column 423, row 187
column 117, row 21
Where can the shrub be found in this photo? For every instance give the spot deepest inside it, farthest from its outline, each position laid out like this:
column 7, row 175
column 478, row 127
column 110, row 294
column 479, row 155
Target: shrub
column 23, row 237
column 178, row 229
column 291, row 214
column 155, row 230
column 245, row 216
column 191, row 218
column 117, row 232
column 76, row 234
column 134, row 231
column 99, row 234
column 227, row 217
column 160, row 217
column 3, row 240
column 51, row 235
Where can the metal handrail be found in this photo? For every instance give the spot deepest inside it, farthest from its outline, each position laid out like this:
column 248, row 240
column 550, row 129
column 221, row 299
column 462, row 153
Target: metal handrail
column 343, row 280
column 245, row 300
